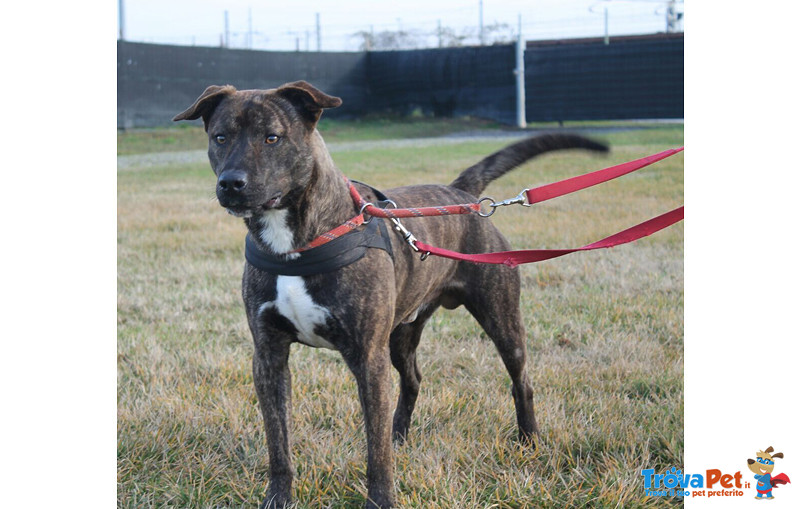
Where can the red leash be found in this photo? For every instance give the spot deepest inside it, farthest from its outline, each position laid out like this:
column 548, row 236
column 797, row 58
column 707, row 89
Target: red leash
column 573, row 184
column 354, row 222
column 514, row 258
column 441, row 210
column 536, row 195
column 560, row 188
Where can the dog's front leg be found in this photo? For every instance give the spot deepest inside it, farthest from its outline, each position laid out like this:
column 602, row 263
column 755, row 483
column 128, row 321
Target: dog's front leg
column 371, row 369
column 273, row 384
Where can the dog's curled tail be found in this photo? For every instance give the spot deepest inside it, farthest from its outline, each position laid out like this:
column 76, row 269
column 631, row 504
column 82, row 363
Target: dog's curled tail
column 475, row 178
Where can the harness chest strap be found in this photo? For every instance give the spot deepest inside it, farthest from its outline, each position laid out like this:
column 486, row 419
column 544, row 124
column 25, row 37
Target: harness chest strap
column 346, row 227
column 335, row 254
column 332, row 250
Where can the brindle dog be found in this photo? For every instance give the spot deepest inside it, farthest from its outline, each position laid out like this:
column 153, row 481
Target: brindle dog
column 274, row 171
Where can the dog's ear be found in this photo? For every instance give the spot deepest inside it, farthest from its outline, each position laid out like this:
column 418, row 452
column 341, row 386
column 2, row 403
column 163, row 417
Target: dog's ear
column 778, row 455
column 308, row 100
column 205, row 105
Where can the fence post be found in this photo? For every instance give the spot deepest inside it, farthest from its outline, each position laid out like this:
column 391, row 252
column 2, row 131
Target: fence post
column 519, row 72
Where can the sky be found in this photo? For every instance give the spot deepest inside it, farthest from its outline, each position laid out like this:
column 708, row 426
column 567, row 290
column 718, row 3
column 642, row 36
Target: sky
column 287, row 26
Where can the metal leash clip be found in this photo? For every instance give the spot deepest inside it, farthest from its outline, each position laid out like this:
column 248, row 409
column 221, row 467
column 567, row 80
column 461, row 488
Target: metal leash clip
column 520, row 199
column 409, row 237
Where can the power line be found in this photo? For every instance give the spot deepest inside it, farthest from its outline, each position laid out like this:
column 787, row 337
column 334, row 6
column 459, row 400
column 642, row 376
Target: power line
column 342, row 37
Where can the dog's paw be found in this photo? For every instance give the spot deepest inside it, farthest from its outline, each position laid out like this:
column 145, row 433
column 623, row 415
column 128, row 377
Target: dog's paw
column 275, row 501
column 379, row 502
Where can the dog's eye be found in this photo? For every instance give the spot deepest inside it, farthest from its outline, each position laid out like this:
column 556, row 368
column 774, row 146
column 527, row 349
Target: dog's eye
column 272, row 138
column 220, row 139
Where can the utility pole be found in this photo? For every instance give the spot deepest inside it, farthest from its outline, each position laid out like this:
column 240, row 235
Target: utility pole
column 250, row 28
column 519, row 72
column 480, row 22
column 121, row 20
column 605, row 13
column 672, row 17
column 319, row 35
column 227, row 33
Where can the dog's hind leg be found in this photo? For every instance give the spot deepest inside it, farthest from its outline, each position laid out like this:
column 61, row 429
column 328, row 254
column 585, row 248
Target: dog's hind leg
column 493, row 299
column 403, row 344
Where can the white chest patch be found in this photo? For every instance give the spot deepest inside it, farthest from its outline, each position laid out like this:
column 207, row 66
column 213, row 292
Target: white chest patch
column 296, row 305
column 275, row 233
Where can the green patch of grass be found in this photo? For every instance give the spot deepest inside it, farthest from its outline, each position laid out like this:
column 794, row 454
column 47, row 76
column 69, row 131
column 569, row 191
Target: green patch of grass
column 605, row 345
column 384, row 128
column 161, row 139
column 192, row 136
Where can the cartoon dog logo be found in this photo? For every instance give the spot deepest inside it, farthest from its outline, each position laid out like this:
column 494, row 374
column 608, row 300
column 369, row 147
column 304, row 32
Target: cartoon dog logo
column 763, row 466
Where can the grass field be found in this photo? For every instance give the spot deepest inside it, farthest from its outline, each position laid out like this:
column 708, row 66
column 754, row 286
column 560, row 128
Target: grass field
column 190, row 136
column 605, row 341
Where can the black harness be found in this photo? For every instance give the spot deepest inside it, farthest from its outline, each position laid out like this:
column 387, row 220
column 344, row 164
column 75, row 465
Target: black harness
column 333, row 255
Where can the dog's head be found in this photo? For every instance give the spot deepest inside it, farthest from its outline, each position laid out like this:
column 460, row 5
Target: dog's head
column 764, row 462
column 261, row 143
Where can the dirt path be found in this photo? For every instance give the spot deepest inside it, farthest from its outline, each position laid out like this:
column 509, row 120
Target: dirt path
column 141, row 161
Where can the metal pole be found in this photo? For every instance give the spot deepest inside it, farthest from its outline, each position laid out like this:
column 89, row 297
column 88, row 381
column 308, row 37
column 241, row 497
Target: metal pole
column 319, row 35
column 250, row 28
column 371, row 37
column 121, row 20
column 480, row 21
column 606, row 40
column 671, row 17
column 227, row 33
column 520, row 75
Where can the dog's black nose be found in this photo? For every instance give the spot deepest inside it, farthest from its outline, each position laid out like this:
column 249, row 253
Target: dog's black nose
column 232, row 180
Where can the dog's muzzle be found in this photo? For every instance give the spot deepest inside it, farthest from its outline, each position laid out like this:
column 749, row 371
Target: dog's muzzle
column 241, row 199
column 231, row 186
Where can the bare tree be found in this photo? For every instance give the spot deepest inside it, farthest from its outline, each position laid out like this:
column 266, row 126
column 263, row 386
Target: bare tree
column 450, row 38
column 500, row 33
column 388, row 40
column 446, row 37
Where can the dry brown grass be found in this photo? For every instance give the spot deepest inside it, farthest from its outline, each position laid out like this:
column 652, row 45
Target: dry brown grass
column 605, row 337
